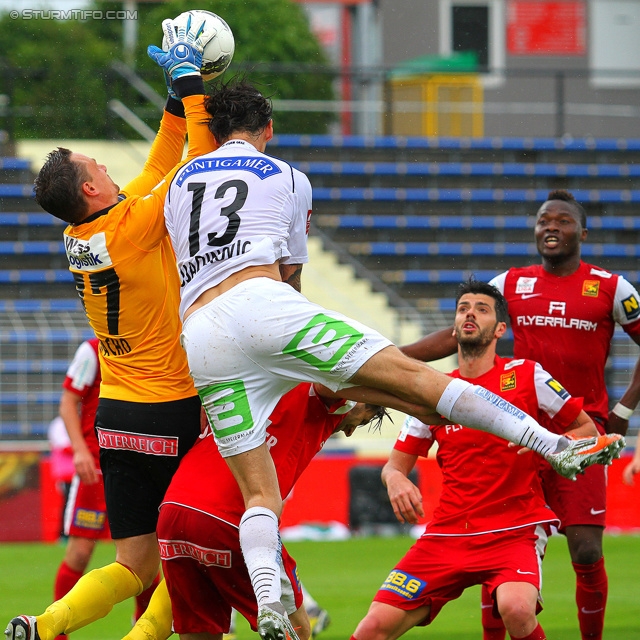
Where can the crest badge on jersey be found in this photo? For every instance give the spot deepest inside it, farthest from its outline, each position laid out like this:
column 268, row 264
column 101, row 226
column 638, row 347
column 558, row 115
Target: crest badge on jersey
column 591, row 288
column 631, row 307
column 508, row 381
column 525, row 285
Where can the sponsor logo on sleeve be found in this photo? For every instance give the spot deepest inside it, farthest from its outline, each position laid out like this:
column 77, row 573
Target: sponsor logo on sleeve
column 631, row 307
column 591, row 288
column 557, row 388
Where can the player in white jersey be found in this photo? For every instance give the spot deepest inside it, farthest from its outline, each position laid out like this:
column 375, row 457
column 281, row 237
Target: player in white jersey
column 238, row 221
column 243, row 179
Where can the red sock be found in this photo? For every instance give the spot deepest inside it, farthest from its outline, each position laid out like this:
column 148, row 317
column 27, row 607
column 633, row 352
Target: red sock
column 66, row 579
column 492, row 627
column 592, row 587
column 536, row 634
column 142, row 601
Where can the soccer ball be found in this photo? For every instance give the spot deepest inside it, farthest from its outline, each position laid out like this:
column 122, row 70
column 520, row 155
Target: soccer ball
column 217, row 36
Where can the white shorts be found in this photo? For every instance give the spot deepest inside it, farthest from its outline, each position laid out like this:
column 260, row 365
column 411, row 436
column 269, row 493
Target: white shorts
column 249, row 346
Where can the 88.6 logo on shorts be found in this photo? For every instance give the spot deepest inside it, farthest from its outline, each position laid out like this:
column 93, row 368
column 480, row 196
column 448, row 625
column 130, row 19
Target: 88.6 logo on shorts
column 403, row 584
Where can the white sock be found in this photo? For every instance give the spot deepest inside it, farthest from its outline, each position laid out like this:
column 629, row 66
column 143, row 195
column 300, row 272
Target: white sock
column 262, row 551
column 476, row 407
column 307, row 599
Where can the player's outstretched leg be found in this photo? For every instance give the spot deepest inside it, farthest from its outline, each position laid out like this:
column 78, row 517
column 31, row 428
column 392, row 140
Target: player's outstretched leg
column 583, row 452
column 273, row 623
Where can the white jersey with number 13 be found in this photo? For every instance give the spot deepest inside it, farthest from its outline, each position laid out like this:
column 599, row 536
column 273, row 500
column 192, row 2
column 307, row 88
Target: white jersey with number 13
column 234, row 208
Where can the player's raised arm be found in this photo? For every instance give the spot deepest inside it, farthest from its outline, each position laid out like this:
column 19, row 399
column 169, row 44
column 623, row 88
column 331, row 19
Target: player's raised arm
column 434, row 346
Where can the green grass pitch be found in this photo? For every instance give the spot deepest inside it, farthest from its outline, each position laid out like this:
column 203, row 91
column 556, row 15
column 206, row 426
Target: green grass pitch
column 343, row 576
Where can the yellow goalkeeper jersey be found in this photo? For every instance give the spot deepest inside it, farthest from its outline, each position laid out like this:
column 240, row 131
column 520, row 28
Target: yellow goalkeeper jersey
column 125, row 273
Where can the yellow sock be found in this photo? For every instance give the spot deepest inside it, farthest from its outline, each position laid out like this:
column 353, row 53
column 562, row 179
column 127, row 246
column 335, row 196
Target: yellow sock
column 156, row 622
column 91, row 598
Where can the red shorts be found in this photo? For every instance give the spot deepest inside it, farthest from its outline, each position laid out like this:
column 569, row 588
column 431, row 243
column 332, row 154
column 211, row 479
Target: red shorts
column 576, row 503
column 438, row 569
column 206, row 575
column 85, row 515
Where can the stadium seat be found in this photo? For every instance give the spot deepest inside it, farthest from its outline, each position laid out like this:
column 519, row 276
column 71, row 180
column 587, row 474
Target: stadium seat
column 494, row 143
column 480, row 249
column 492, row 169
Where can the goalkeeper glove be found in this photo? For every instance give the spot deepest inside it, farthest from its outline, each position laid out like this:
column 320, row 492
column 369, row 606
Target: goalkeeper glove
column 184, row 57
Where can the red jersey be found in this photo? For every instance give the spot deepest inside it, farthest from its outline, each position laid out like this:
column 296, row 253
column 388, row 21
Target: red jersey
column 83, row 378
column 298, row 428
column 566, row 323
column 486, row 485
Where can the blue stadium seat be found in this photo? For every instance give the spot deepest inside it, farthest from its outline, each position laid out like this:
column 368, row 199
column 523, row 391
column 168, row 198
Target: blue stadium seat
column 454, row 276
column 30, row 397
column 348, row 221
column 494, row 169
column 13, row 164
column 46, row 335
column 35, row 276
column 45, row 306
column 381, row 194
column 402, row 142
column 32, row 247
column 481, row 249
column 16, row 190
column 32, row 429
column 13, row 219
column 33, row 366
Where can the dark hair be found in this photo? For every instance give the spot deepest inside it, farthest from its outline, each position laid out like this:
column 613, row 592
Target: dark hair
column 237, row 106
column 58, row 186
column 475, row 286
column 565, row 196
column 375, row 424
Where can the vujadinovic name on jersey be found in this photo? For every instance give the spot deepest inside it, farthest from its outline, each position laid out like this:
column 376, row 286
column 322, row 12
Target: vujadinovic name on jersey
column 189, row 269
column 258, row 166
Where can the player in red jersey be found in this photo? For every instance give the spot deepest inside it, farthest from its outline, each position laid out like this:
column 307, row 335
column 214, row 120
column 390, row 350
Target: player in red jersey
column 85, row 520
column 489, row 523
column 201, row 512
column 563, row 313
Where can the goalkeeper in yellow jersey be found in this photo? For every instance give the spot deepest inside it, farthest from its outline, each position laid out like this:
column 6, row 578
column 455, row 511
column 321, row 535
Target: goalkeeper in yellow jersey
column 124, row 270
